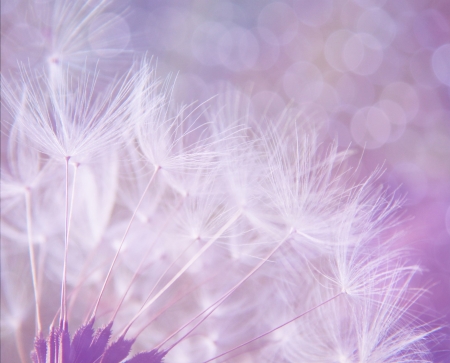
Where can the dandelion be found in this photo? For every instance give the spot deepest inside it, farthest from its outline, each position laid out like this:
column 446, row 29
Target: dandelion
column 147, row 231
column 65, row 34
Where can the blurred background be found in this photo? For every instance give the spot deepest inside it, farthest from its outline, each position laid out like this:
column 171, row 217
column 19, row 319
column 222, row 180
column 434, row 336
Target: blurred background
column 374, row 73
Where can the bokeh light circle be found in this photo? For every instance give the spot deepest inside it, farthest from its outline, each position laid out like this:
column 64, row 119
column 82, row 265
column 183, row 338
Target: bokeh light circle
column 314, row 13
column 280, row 20
column 441, row 64
column 109, row 35
column 204, row 42
column 404, row 95
column 303, row 82
column 370, row 127
column 238, row 49
column 378, row 23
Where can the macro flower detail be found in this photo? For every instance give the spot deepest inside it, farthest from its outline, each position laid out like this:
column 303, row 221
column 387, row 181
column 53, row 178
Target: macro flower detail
column 68, row 119
column 167, row 226
column 88, row 346
column 138, row 229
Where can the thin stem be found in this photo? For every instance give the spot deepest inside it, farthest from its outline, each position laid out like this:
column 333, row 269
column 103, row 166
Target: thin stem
column 218, row 302
column 123, row 239
column 77, row 288
column 63, row 315
column 276, row 328
column 172, row 302
column 32, row 258
column 156, row 284
column 188, row 264
column 81, row 280
column 161, row 311
column 170, row 218
column 84, row 271
column 75, row 169
column 43, row 251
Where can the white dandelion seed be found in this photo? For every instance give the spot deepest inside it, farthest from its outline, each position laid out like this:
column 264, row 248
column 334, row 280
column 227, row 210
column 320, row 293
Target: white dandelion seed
column 185, row 234
column 57, row 35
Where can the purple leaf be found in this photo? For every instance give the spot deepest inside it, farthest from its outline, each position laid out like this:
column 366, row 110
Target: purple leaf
column 148, row 357
column 117, row 351
column 52, row 342
column 99, row 343
column 40, row 350
column 81, row 342
column 64, row 343
column 88, row 347
column 55, row 349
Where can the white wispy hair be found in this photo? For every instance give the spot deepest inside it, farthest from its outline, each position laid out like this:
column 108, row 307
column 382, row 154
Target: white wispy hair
column 61, row 33
column 164, row 131
column 69, row 119
column 205, row 234
column 22, row 166
column 352, row 331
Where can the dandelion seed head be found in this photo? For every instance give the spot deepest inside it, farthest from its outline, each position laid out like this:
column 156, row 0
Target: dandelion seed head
column 198, row 232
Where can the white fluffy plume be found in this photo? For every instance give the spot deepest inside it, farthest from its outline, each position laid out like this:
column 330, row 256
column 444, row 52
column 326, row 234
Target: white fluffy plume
column 201, row 233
